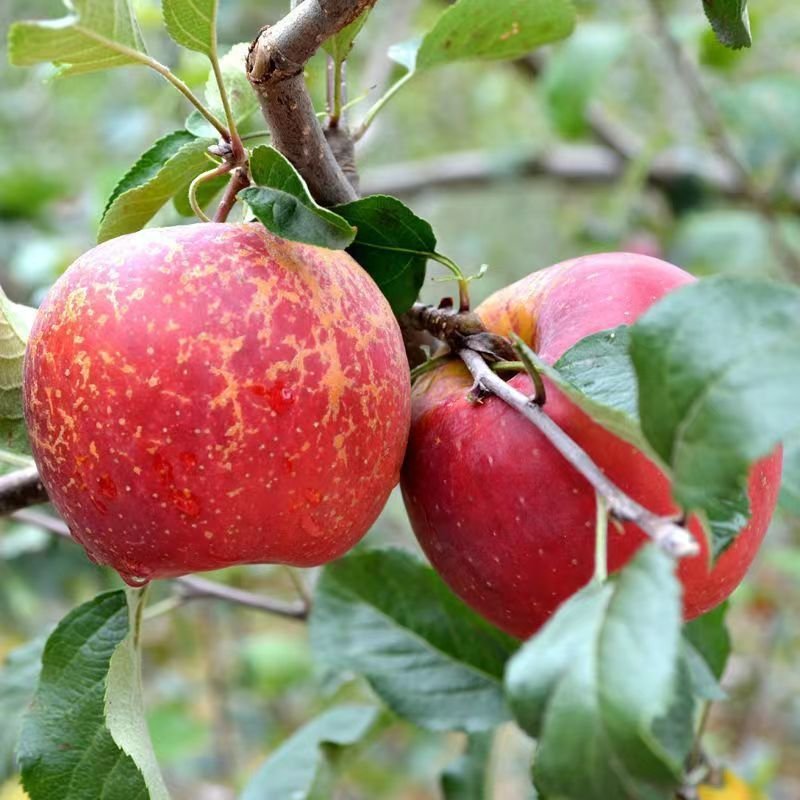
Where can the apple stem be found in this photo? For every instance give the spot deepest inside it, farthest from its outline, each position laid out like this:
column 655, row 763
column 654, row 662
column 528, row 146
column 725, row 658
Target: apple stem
column 671, row 537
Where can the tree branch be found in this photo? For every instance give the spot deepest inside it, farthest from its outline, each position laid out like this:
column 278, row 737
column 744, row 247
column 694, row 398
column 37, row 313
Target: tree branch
column 20, row 489
column 573, row 164
column 705, row 108
column 191, row 587
column 671, row 537
column 275, row 69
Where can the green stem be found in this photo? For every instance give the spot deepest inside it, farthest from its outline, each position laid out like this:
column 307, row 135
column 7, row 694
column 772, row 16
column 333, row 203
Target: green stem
column 137, row 599
column 336, row 104
column 237, row 148
column 601, row 540
column 221, row 169
column 461, row 278
column 162, row 70
column 508, row 366
column 369, row 117
column 430, row 365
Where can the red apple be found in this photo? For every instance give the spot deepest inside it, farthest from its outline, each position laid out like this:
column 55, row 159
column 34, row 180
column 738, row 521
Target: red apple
column 212, row 395
column 502, row 516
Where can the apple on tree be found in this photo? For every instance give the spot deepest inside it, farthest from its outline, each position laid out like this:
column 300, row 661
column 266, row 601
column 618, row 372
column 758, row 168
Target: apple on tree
column 508, row 523
column 211, row 395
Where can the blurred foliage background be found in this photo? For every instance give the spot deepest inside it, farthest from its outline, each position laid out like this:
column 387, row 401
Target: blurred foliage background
column 544, row 142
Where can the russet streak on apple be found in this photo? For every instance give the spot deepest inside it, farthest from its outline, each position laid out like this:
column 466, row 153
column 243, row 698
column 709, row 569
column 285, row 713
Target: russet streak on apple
column 213, row 395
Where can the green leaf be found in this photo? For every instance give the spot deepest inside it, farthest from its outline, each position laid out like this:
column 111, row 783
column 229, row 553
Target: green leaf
column 593, row 682
column 730, row 22
column 468, row 777
column 598, row 376
column 434, row 661
column 710, row 638
column 790, row 487
column 282, row 203
column 66, row 749
column 242, row 98
column 718, row 366
column 576, row 70
column 18, row 677
column 294, row 768
column 96, row 34
column 392, row 244
column 340, row 45
column 156, row 177
column 15, row 327
column 192, row 23
column 503, row 29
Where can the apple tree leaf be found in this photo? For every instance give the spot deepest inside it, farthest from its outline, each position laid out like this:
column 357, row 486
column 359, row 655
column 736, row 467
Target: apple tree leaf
column 718, row 369
column 392, row 244
column 293, row 770
column 730, row 22
column 389, row 617
column 95, row 34
column 18, row 676
column 159, row 174
column 192, row 23
column 593, row 683
column 282, row 203
column 80, row 739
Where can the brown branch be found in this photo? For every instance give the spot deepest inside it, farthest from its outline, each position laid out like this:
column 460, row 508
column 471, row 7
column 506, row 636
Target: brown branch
column 275, row 66
column 671, row 537
column 572, row 164
column 20, row 489
column 706, row 110
column 239, row 180
column 190, row 586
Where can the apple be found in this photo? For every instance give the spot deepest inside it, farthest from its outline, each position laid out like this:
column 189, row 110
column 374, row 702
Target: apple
column 508, row 523
column 211, row 395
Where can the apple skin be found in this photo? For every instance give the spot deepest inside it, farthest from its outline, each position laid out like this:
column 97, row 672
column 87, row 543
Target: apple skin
column 500, row 513
column 210, row 395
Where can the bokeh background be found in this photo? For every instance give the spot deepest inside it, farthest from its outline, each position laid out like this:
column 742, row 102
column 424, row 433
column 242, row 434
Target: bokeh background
column 593, row 144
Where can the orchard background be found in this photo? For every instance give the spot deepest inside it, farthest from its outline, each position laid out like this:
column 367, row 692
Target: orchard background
column 598, row 142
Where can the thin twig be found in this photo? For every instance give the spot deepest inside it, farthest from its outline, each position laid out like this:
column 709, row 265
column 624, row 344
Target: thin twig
column 190, row 586
column 665, row 532
column 706, row 110
column 239, row 180
column 20, row 489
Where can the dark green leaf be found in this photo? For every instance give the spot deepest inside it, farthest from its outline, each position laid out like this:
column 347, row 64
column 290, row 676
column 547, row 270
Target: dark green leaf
column 392, row 244
column 675, row 729
column 592, row 683
column 294, row 768
column 155, row 178
column 389, row 617
column 468, row 777
column 578, row 67
column 730, row 22
column 192, row 23
column 18, row 677
column 84, row 711
column 282, row 203
column 709, row 636
column 718, row 365
column 96, row 34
